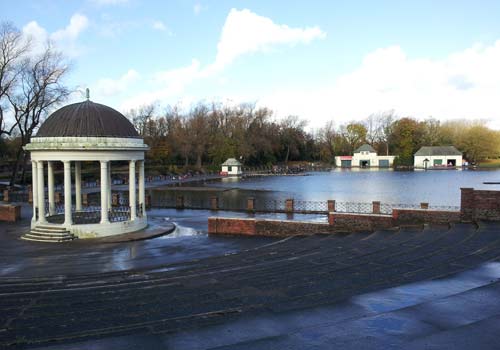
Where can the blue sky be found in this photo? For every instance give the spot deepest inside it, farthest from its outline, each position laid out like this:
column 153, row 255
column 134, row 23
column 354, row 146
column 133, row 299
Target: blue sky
column 321, row 60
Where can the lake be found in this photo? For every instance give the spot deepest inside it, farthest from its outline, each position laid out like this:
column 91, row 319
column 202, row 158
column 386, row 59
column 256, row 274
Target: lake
column 437, row 187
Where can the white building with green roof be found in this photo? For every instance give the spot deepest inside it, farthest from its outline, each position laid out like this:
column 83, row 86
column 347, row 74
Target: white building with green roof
column 437, row 157
column 364, row 157
column 231, row 167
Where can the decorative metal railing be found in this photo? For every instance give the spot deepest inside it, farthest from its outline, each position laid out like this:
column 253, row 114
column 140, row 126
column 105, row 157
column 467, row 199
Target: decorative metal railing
column 287, row 205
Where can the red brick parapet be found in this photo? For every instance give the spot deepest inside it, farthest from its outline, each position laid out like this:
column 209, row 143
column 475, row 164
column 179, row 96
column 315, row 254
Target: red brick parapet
column 421, row 216
column 337, row 222
column 251, row 204
column 230, row 226
column 479, row 205
column 10, row 213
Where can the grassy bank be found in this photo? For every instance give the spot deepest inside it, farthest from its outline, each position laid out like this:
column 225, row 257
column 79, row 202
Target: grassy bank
column 490, row 163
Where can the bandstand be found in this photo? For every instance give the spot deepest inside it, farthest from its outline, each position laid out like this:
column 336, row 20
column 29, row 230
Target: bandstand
column 77, row 135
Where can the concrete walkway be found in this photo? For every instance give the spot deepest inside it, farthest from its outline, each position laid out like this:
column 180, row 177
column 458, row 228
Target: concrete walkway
column 432, row 287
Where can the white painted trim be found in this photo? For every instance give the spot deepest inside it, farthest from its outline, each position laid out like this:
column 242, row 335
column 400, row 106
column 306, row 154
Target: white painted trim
column 86, row 143
column 83, row 155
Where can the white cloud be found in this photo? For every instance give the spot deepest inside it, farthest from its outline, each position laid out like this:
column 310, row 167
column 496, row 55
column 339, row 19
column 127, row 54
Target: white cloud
column 246, row 32
column 77, row 24
column 37, row 34
column 64, row 39
column 465, row 84
column 243, row 32
column 171, row 84
column 110, row 87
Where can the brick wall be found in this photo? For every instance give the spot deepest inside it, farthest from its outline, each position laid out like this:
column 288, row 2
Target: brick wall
column 230, row 226
column 479, row 205
column 467, row 204
column 281, row 228
column 420, row 216
column 337, row 222
column 10, row 213
column 359, row 222
column 256, row 227
column 291, row 228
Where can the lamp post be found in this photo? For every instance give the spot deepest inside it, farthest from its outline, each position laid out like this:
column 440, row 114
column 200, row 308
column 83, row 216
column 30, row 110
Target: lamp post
column 425, row 163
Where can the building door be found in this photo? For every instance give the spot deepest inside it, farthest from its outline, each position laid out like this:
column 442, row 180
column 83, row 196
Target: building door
column 345, row 163
column 438, row 162
column 364, row 163
column 383, row 163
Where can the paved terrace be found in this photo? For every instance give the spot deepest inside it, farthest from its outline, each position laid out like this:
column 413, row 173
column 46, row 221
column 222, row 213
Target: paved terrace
column 432, row 287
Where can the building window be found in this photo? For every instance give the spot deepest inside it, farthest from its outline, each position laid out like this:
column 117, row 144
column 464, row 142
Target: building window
column 229, row 168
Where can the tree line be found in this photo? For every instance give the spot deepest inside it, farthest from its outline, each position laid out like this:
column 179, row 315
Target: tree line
column 209, row 133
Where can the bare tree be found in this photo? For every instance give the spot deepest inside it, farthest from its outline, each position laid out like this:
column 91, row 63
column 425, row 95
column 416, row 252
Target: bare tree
column 40, row 90
column 142, row 117
column 291, row 135
column 385, row 122
column 372, row 129
column 326, row 137
column 199, row 135
column 13, row 48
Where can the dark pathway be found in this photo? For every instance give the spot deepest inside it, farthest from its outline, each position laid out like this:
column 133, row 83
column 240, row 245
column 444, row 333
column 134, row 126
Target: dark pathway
column 240, row 281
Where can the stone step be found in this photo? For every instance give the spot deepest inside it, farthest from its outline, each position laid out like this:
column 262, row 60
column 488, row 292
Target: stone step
column 45, row 233
column 30, row 237
column 44, row 230
column 48, row 227
column 49, row 234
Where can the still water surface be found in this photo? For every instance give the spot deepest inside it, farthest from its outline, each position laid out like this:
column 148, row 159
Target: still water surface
column 437, row 187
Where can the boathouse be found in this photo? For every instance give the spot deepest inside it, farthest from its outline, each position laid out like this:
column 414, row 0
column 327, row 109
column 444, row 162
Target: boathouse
column 438, row 157
column 364, row 157
column 231, row 167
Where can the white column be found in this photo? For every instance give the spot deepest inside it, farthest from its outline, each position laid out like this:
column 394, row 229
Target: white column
column 131, row 190
column 68, row 218
column 142, row 199
column 50, row 188
column 41, row 194
column 104, row 192
column 110, row 184
column 34, row 189
column 78, row 185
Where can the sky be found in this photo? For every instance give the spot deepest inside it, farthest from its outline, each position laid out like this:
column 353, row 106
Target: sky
column 319, row 60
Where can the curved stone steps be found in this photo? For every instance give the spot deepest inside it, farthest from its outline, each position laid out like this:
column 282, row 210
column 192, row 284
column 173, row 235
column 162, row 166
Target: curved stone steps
column 221, row 288
column 49, row 234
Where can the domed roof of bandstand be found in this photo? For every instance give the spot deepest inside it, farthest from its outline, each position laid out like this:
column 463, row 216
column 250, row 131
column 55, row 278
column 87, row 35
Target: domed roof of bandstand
column 87, row 119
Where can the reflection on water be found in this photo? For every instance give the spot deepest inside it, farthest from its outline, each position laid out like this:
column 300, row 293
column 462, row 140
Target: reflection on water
column 345, row 185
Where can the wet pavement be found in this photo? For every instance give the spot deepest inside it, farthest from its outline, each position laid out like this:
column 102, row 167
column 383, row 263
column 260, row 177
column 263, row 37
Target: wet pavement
column 432, row 287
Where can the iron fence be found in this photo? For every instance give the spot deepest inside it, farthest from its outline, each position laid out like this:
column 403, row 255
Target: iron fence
column 310, row 206
column 270, row 205
column 280, row 205
column 348, row 207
